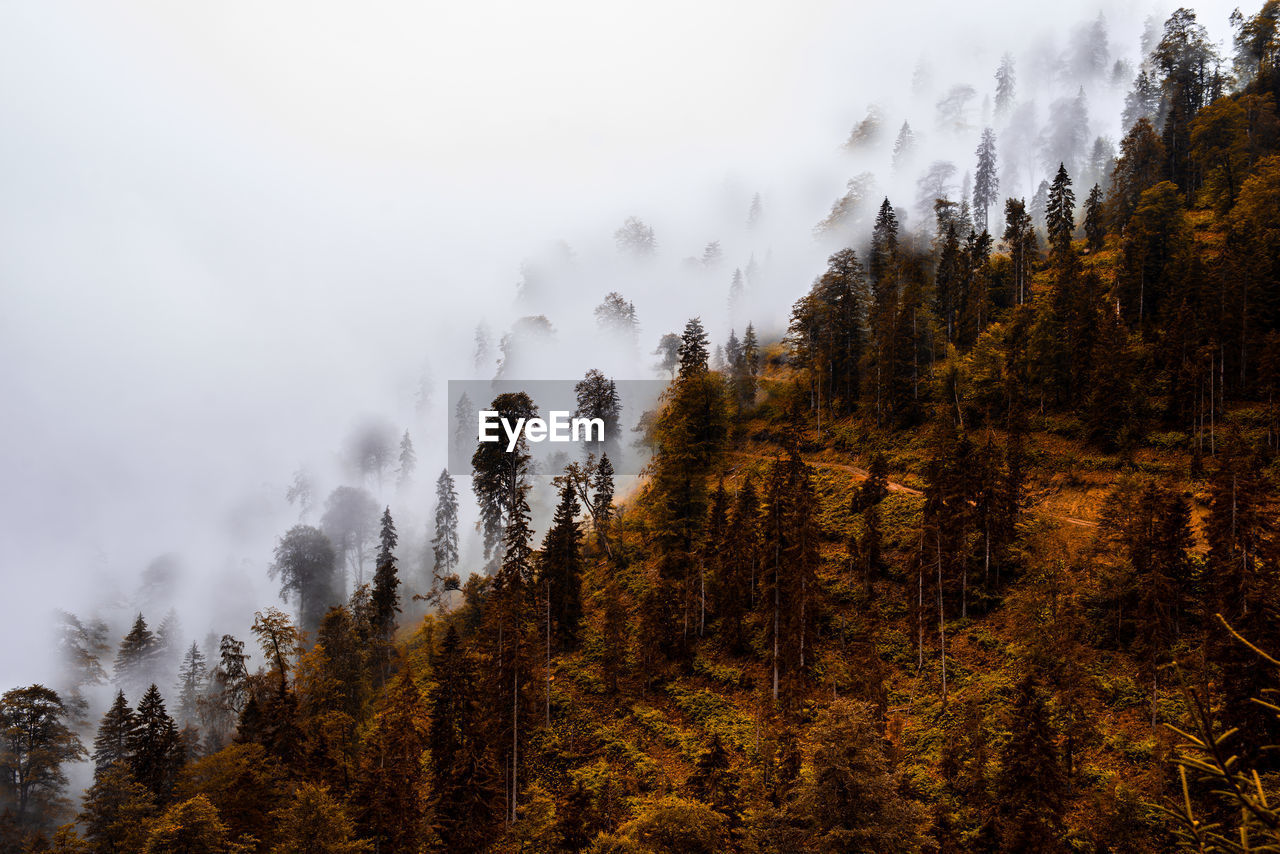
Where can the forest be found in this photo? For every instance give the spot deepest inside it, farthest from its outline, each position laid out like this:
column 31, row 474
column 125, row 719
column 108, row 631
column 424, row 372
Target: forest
column 981, row 554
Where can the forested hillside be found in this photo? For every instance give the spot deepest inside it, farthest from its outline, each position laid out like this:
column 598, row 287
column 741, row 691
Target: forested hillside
column 983, row 554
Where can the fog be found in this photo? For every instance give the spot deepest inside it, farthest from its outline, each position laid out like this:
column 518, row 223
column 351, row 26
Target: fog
column 232, row 233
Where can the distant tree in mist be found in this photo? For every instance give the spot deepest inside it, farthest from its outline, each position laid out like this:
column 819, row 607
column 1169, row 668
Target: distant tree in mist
column 305, row 565
column 482, row 352
column 616, row 316
column 371, row 450
column 1040, row 205
column 136, row 658
column 597, row 397
column 953, row 108
column 712, row 255
column 866, row 132
column 526, row 335
column 81, row 647
column 301, row 492
column 844, row 210
column 986, row 184
column 934, row 184
column 1066, row 135
column 192, row 676
column 464, row 422
column 349, row 521
column 755, row 212
column 1089, row 53
column 408, row 462
column 1006, row 85
column 904, row 146
column 444, row 543
column 635, row 239
column 668, row 351
column 226, row 692
column 1143, row 100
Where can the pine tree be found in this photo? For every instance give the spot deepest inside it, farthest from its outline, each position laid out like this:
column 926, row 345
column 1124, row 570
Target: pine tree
column 597, row 397
column 1006, row 85
column 1031, row 784
column 986, row 182
column 384, row 599
column 408, row 462
column 560, row 563
column 136, row 658
column 192, row 676
column 1059, row 212
column 1095, row 226
column 111, row 744
column 154, row 747
column 904, row 146
column 444, row 544
column 498, row 477
column 1020, row 240
column 391, row 790
column 463, row 784
column 789, row 589
column 714, row 781
column 826, row 336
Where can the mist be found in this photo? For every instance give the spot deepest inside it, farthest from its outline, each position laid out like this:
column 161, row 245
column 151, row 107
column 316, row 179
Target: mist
column 234, row 235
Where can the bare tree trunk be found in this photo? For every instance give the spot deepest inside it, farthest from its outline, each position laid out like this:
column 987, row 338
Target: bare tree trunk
column 942, row 625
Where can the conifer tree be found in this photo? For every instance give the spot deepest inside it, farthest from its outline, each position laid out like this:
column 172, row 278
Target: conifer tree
column 986, row 180
column 463, row 784
column 111, row 745
column 560, row 564
column 789, row 586
column 1020, row 239
column 498, row 477
column 192, row 676
column 391, row 791
column 444, row 544
column 739, row 568
column 1006, row 85
column 408, row 462
column 1095, row 226
column 136, row 658
column 155, row 750
column 1031, row 784
column 1060, row 211
column 384, row 599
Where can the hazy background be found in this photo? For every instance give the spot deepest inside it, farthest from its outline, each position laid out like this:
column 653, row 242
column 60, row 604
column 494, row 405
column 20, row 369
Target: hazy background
column 231, row 232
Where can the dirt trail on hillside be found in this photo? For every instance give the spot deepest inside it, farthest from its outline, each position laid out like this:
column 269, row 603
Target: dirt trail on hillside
column 863, row 474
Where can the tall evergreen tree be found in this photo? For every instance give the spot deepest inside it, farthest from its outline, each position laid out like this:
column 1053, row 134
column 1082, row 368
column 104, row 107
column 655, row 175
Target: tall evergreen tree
column 560, row 564
column 1095, row 226
column 444, row 544
column 498, row 476
column 390, row 791
column 1060, row 212
column 136, row 658
column 111, row 746
column 463, row 784
column 192, row 676
column 986, row 180
column 386, row 579
column 154, row 747
column 1031, row 784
